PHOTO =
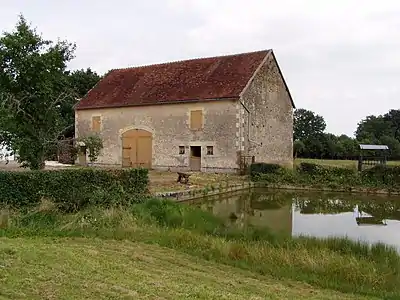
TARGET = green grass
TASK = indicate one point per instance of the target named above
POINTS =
(82, 268)
(337, 163)
(333, 264)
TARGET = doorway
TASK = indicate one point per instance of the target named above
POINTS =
(195, 158)
(137, 148)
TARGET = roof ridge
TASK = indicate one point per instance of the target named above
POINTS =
(190, 59)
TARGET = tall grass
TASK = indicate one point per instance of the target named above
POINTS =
(334, 263)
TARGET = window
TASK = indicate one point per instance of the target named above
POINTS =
(96, 123)
(210, 150)
(181, 149)
(196, 119)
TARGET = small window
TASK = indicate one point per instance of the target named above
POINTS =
(181, 149)
(96, 123)
(210, 150)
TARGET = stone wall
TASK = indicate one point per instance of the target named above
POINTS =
(266, 131)
(169, 124)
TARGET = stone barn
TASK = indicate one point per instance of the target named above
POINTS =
(207, 114)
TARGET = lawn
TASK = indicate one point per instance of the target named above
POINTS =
(337, 163)
(82, 268)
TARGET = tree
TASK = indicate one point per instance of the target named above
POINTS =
(393, 144)
(307, 124)
(33, 88)
(372, 128)
(79, 83)
(298, 148)
(393, 118)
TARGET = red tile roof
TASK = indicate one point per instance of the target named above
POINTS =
(189, 80)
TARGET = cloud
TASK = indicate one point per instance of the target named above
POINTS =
(339, 57)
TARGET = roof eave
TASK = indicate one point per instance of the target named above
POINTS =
(158, 103)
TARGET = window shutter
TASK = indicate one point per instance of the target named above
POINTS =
(196, 119)
(96, 124)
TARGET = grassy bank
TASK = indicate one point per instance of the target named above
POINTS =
(308, 175)
(351, 164)
(82, 268)
(335, 264)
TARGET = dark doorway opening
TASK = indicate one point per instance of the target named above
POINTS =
(195, 158)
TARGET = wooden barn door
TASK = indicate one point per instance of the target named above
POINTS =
(137, 148)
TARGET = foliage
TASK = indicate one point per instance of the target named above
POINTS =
(298, 147)
(309, 174)
(264, 168)
(32, 89)
(73, 189)
(307, 124)
(94, 145)
(79, 83)
(310, 141)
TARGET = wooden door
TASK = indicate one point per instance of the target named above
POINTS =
(137, 148)
(143, 152)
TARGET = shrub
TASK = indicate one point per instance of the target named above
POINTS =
(379, 175)
(73, 189)
(310, 168)
(263, 168)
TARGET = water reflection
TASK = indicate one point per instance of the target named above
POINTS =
(365, 217)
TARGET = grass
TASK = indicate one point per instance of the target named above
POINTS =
(82, 268)
(333, 264)
(337, 163)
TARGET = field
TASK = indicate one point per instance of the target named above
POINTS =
(337, 163)
(166, 250)
(44, 268)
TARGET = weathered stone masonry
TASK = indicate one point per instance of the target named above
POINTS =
(253, 119)
(169, 124)
(266, 131)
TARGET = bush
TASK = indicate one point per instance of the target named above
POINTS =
(308, 168)
(379, 175)
(263, 168)
(73, 189)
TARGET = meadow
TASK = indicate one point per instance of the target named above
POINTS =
(175, 251)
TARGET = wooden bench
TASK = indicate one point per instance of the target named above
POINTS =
(184, 176)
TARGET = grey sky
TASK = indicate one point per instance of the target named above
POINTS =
(340, 58)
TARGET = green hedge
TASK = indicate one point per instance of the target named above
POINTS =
(73, 189)
(309, 174)
(256, 169)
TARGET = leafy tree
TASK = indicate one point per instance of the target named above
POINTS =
(348, 146)
(298, 148)
(307, 124)
(372, 128)
(79, 83)
(393, 118)
(33, 88)
(393, 144)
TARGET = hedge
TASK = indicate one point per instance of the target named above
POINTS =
(73, 189)
(383, 177)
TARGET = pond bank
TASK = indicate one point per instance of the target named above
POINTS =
(186, 195)
(342, 264)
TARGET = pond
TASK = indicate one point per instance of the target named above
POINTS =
(370, 218)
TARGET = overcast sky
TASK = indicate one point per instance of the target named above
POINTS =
(340, 58)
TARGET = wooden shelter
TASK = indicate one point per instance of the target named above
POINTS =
(372, 155)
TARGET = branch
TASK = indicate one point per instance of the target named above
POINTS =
(10, 102)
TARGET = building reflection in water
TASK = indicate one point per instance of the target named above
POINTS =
(306, 213)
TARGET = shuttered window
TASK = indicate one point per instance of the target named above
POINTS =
(196, 119)
(96, 124)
